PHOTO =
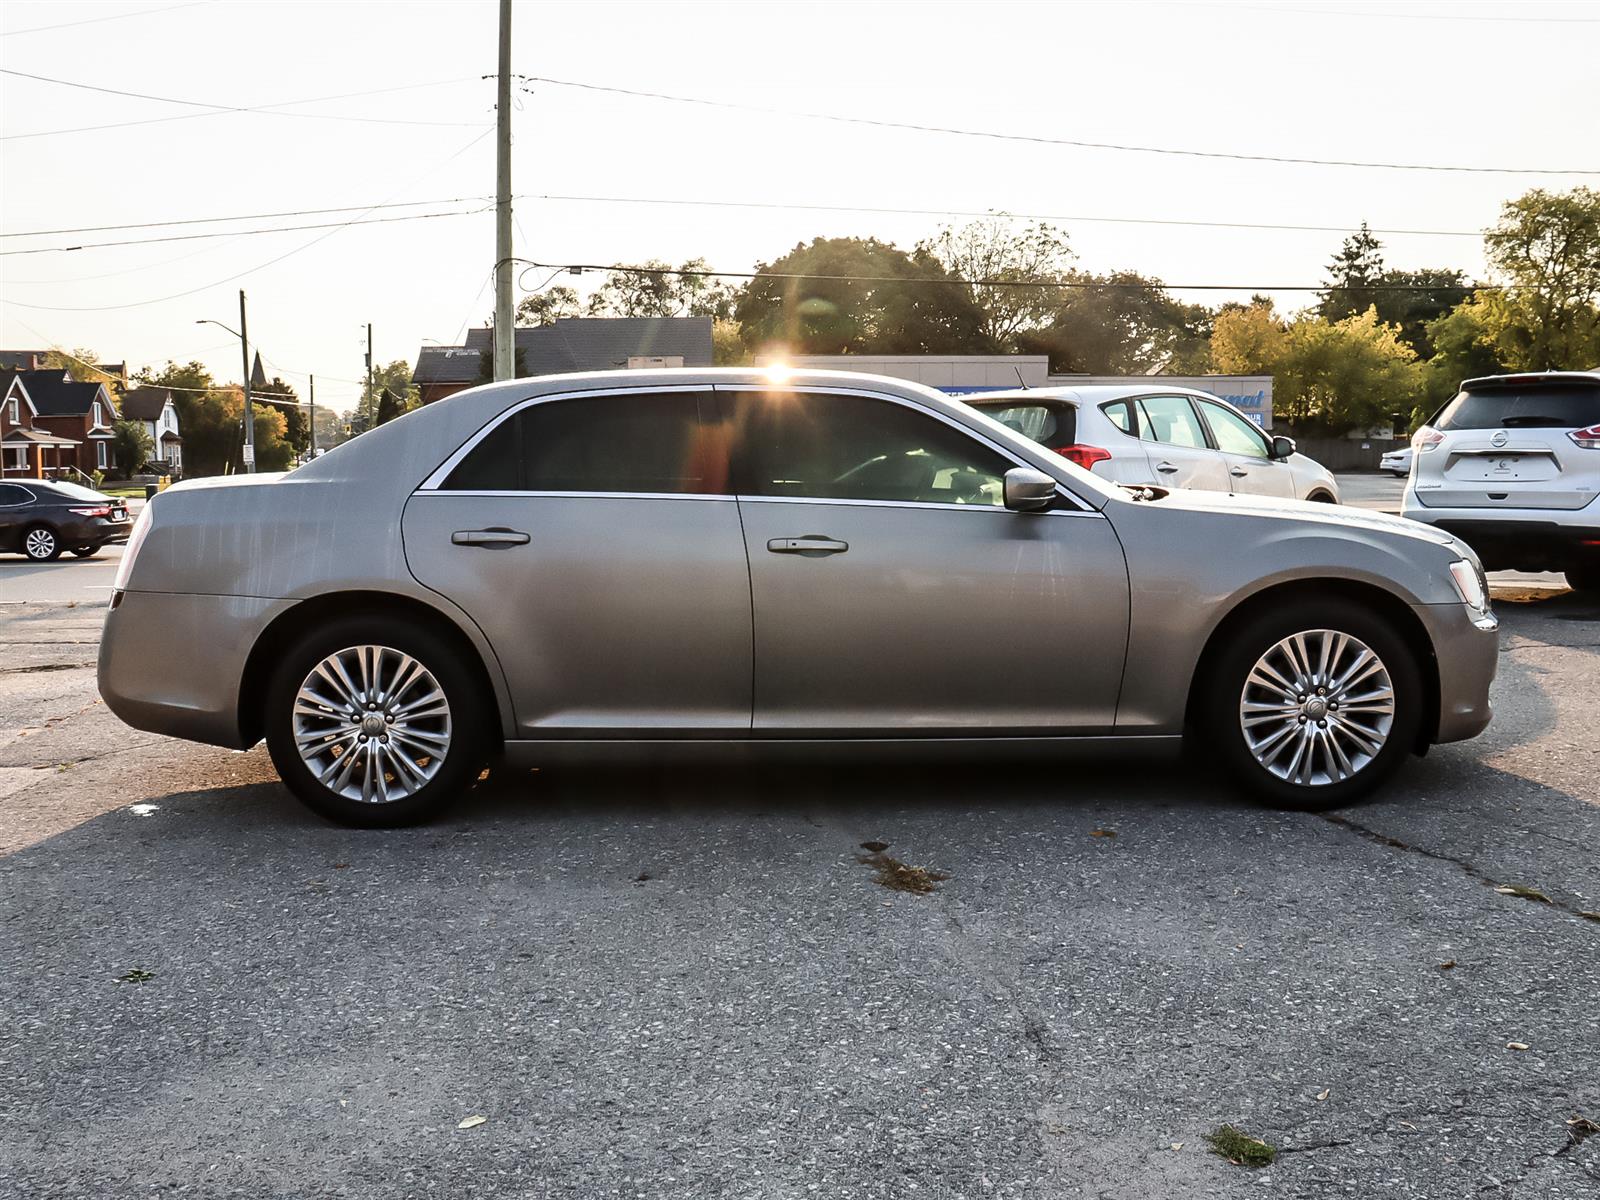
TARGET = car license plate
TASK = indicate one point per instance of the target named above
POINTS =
(119, 514)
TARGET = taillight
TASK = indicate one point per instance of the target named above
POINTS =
(1426, 438)
(1084, 456)
(1588, 438)
(91, 512)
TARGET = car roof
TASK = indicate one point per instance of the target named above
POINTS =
(1089, 393)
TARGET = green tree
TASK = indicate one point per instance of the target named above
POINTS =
(995, 249)
(131, 445)
(1122, 323)
(865, 297)
(727, 345)
(1358, 280)
(548, 306)
(655, 289)
(1353, 276)
(281, 396)
(210, 437)
(396, 377)
(1545, 250)
(389, 407)
(1462, 349)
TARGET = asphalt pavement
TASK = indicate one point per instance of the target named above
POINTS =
(686, 983)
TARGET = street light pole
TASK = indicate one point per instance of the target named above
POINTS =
(505, 332)
(312, 415)
(249, 412)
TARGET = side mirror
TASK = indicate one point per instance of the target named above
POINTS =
(1282, 447)
(1028, 490)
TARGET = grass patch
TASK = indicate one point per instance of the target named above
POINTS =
(126, 490)
(902, 877)
(137, 975)
(1240, 1148)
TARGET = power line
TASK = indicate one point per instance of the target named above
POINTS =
(145, 12)
(959, 212)
(1067, 284)
(228, 233)
(1039, 140)
(259, 266)
(1377, 15)
(294, 212)
(273, 110)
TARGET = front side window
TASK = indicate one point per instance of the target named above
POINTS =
(832, 447)
(1234, 434)
(1170, 420)
(631, 442)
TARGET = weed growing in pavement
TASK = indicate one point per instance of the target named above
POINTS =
(1240, 1148)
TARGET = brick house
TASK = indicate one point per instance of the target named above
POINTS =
(50, 424)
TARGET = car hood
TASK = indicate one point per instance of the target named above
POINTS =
(1304, 512)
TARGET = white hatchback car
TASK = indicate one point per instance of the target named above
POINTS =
(1511, 466)
(1161, 436)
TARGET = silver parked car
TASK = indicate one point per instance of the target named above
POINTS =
(1512, 466)
(1162, 436)
(592, 565)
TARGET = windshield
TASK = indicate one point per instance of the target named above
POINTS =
(1048, 424)
(1526, 406)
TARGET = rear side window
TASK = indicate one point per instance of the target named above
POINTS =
(1120, 414)
(1047, 424)
(1171, 420)
(11, 495)
(1526, 406)
(647, 442)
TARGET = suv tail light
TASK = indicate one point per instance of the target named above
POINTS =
(1588, 439)
(1426, 438)
(1084, 456)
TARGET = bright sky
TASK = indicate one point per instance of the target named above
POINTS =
(1460, 84)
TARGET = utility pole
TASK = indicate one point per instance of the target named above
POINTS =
(311, 415)
(249, 412)
(371, 402)
(505, 332)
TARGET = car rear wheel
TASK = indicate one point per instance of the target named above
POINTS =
(375, 722)
(41, 544)
(1314, 706)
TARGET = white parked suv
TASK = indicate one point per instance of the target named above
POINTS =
(1511, 466)
(1165, 436)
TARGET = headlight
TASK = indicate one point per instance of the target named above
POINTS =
(1471, 584)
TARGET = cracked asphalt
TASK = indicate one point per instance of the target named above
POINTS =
(684, 983)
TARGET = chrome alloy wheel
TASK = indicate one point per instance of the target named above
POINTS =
(40, 543)
(372, 724)
(1317, 707)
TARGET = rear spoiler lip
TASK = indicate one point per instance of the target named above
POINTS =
(1533, 377)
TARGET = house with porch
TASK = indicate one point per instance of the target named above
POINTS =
(153, 408)
(52, 425)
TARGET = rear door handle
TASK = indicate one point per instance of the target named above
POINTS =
(1238, 472)
(1165, 468)
(490, 538)
(809, 544)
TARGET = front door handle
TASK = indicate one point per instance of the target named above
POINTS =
(811, 543)
(496, 538)
(1165, 468)
(1238, 472)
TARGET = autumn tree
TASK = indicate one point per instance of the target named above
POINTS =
(1545, 253)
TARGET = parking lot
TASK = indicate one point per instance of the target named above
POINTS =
(685, 982)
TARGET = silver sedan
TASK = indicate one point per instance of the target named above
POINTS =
(693, 562)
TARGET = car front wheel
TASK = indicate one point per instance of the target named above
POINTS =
(374, 722)
(41, 544)
(1585, 579)
(1314, 706)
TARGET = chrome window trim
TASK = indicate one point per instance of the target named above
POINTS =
(555, 495)
(434, 483)
(932, 505)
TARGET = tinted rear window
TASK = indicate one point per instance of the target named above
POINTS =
(1048, 424)
(1526, 406)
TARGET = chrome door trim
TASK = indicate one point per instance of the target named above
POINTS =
(833, 390)
(505, 494)
(934, 506)
(435, 481)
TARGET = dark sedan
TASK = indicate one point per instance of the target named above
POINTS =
(41, 519)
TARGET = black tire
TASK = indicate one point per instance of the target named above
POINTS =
(86, 551)
(468, 731)
(1220, 720)
(1585, 580)
(1322, 498)
(41, 543)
